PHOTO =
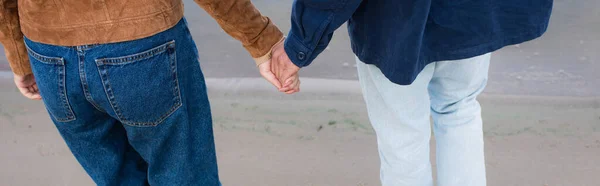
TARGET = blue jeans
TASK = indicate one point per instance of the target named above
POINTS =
(400, 115)
(133, 113)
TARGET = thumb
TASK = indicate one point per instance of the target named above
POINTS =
(265, 71)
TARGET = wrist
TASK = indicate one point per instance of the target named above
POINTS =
(267, 57)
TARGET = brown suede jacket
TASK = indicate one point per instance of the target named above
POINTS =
(83, 22)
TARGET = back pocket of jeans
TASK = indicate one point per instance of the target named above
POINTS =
(142, 88)
(50, 78)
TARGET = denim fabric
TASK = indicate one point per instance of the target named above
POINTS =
(402, 36)
(133, 113)
(400, 116)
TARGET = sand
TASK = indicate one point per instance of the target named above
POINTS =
(322, 137)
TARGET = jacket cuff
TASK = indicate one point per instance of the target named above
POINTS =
(298, 53)
(262, 43)
(267, 57)
(18, 58)
(22, 70)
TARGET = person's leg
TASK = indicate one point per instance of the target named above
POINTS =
(457, 120)
(155, 87)
(97, 141)
(400, 117)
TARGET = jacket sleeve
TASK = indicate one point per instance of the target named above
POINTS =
(12, 38)
(241, 20)
(313, 24)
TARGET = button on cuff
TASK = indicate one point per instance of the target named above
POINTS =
(296, 51)
(301, 56)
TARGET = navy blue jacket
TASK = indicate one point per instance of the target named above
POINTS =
(402, 36)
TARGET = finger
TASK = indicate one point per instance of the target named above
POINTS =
(274, 66)
(36, 96)
(285, 89)
(295, 87)
(292, 91)
(280, 67)
(265, 72)
(30, 95)
(36, 88)
(298, 86)
(23, 91)
(294, 77)
(270, 77)
(288, 84)
(27, 93)
(288, 73)
(273, 80)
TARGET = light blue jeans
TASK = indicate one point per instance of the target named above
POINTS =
(400, 116)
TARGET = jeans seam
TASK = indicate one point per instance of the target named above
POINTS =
(177, 91)
(45, 59)
(63, 96)
(108, 91)
(83, 78)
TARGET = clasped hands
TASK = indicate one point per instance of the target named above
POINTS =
(280, 71)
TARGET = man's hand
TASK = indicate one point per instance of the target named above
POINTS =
(27, 86)
(285, 71)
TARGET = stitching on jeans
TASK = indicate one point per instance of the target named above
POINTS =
(108, 89)
(177, 92)
(63, 96)
(62, 92)
(136, 57)
(119, 114)
(84, 84)
(45, 59)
